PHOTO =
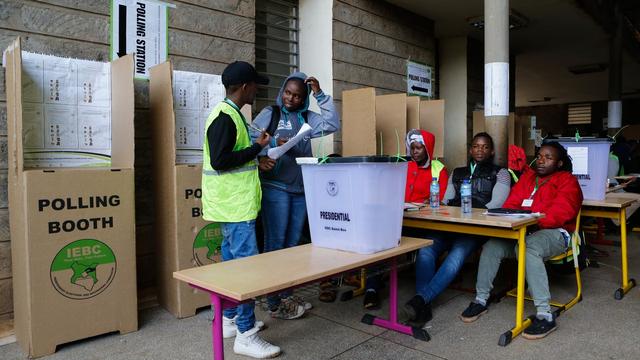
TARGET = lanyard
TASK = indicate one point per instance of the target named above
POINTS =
(535, 189)
(233, 105)
(472, 166)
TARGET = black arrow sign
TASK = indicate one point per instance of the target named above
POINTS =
(122, 30)
(417, 88)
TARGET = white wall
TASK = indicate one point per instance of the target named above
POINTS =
(316, 54)
(453, 89)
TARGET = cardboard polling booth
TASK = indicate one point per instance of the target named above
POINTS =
(180, 104)
(378, 125)
(72, 228)
(432, 120)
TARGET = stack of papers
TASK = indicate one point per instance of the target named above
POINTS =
(276, 152)
(513, 215)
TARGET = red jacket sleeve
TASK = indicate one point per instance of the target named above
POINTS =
(444, 181)
(564, 207)
(518, 192)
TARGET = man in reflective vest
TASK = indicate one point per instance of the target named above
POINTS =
(231, 193)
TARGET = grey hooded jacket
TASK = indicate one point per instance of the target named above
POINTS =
(286, 174)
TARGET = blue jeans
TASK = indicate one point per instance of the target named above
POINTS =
(283, 216)
(429, 282)
(239, 240)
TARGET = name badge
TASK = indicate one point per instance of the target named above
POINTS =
(527, 202)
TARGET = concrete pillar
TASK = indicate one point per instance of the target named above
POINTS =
(496, 75)
(316, 57)
(615, 74)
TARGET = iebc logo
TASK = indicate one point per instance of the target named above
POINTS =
(332, 187)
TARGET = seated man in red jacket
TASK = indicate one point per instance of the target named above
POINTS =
(552, 190)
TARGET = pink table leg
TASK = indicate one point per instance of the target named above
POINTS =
(219, 303)
(216, 327)
(392, 323)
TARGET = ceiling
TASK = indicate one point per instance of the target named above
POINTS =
(560, 34)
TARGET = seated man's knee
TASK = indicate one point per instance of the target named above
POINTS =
(493, 248)
(454, 260)
(428, 254)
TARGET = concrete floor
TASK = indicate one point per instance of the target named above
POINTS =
(597, 328)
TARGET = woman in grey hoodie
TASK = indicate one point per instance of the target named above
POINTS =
(283, 204)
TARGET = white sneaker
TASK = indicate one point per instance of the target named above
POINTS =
(229, 327)
(250, 344)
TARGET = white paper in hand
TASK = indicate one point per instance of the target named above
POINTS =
(275, 153)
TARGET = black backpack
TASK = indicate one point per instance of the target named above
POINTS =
(275, 118)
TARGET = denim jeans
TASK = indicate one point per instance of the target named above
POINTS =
(283, 216)
(239, 240)
(541, 245)
(431, 282)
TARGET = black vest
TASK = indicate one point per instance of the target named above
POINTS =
(482, 183)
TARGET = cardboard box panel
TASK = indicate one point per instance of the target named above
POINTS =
(184, 239)
(413, 113)
(198, 241)
(432, 120)
(72, 231)
(359, 122)
(83, 117)
(391, 123)
(82, 275)
(21, 308)
(122, 105)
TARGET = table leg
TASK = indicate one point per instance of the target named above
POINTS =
(627, 283)
(392, 323)
(216, 327)
(505, 338)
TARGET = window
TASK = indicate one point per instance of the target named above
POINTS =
(579, 114)
(276, 46)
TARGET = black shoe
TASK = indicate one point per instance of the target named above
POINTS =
(417, 311)
(371, 300)
(539, 328)
(473, 312)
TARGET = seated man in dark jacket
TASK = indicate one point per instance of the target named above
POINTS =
(490, 186)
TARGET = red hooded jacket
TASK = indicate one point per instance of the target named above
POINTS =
(559, 197)
(419, 178)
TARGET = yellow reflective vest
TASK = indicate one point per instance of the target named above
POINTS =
(232, 195)
(436, 168)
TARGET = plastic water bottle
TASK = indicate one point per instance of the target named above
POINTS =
(434, 194)
(465, 196)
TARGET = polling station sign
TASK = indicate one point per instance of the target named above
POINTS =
(418, 79)
(140, 27)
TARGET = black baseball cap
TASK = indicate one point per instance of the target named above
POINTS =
(240, 72)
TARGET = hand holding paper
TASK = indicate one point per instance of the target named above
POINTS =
(275, 153)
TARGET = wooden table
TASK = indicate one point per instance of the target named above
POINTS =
(232, 282)
(451, 219)
(613, 207)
